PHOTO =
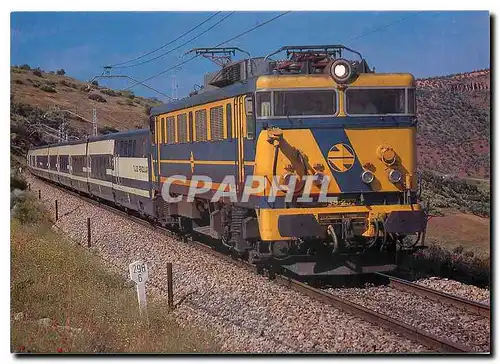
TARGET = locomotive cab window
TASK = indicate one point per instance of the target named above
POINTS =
(303, 103)
(411, 101)
(375, 101)
(263, 104)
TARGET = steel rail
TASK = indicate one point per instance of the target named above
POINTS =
(439, 296)
(413, 333)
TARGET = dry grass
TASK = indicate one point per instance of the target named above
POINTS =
(90, 309)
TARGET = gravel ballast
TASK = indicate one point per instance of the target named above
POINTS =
(463, 290)
(243, 311)
(442, 320)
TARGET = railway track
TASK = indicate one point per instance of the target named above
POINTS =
(422, 337)
(439, 296)
(416, 334)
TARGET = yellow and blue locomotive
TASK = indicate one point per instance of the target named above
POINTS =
(312, 114)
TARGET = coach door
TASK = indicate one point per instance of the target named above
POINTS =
(244, 128)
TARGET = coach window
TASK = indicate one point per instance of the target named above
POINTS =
(263, 104)
(200, 119)
(217, 123)
(134, 144)
(182, 128)
(229, 121)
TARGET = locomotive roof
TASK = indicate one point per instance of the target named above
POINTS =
(208, 96)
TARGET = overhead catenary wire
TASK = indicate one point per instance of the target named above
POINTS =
(166, 44)
(218, 45)
(381, 27)
(176, 48)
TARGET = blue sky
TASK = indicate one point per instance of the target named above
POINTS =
(425, 44)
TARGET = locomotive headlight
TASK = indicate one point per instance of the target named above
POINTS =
(386, 154)
(367, 177)
(341, 70)
(395, 176)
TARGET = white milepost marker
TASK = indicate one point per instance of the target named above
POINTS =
(139, 274)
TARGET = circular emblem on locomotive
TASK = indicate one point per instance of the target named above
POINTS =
(341, 157)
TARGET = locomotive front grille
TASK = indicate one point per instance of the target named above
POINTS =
(328, 219)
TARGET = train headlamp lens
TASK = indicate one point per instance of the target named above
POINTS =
(340, 70)
(367, 177)
(395, 176)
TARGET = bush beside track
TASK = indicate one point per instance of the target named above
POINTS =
(458, 264)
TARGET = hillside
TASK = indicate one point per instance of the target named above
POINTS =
(454, 124)
(35, 93)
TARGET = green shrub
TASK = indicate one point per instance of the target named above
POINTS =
(107, 130)
(27, 210)
(17, 181)
(61, 72)
(68, 84)
(48, 88)
(97, 97)
(450, 192)
(458, 264)
(37, 72)
(109, 92)
(127, 93)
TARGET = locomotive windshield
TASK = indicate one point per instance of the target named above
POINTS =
(297, 103)
(379, 101)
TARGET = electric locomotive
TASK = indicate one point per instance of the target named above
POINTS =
(320, 149)
(315, 113)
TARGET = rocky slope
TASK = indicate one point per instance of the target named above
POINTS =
(454, 124)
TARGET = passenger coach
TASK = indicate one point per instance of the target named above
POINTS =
(112, 167)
